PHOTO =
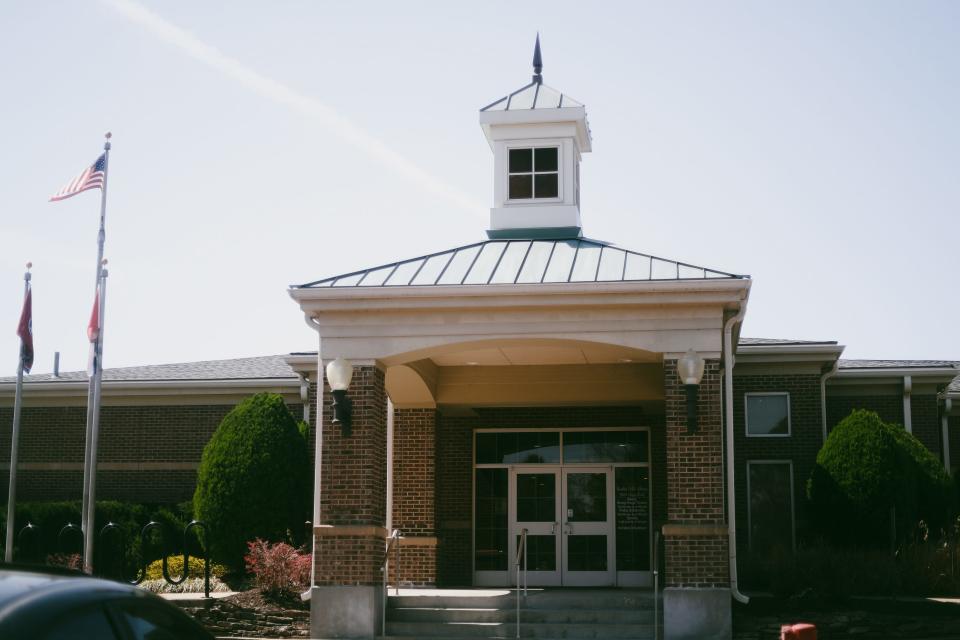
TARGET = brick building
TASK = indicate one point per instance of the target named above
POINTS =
(527, 382)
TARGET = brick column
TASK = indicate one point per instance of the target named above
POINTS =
(697, 597)
(349, 539)
(414, 495)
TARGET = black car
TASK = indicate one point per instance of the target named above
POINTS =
(47, 605)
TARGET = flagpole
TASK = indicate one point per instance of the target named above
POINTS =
(95, 430)
(93, 393)
(15, 441)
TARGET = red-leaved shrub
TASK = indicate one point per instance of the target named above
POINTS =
(277, 568)
(66, 560)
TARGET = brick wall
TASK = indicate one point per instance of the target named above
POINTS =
(350, 539)
(696, 548)
(455, 469)
(146, 453)
(926, 422)
(414, 471)
(923, 408)
(888, 406)
(800, 447)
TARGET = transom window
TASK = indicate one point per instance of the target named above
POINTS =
(768, 414)
(534, 173)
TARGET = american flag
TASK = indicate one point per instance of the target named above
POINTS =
(90, 178)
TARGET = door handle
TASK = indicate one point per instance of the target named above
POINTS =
(568, 528)
(553, 528)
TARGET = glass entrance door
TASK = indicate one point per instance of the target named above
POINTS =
(535, 506)
(569, 517)
(588, 541)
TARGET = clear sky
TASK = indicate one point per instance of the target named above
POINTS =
(814, 146)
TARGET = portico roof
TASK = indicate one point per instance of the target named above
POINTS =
(499, 262)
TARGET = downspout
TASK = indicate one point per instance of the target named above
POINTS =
(823, 395)
(388, 516)
(907, 411)
(305, 396)
(945, 426)
(317, 453)
(728, 360)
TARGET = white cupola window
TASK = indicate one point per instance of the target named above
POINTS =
(534, 173)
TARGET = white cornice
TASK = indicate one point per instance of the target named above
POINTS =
(727, 292)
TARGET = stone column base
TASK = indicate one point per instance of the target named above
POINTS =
(697, 614)
(346, 612)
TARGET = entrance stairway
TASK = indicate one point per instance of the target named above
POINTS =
(571, 614)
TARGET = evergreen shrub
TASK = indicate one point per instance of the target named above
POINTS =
(254, 479)
(873, 482)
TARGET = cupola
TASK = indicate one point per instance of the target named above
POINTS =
(537, 135)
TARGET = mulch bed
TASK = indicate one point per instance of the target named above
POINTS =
(854, 619)
(254, 599)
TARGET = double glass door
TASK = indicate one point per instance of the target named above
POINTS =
(568, 513)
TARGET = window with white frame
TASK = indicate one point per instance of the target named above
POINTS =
(534, 173)
(767, 414)
(770, 505)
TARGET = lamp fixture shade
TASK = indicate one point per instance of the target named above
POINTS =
(339, 373)
(690, 367)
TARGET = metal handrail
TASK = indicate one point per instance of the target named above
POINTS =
(656, 585)
(521, 557)
(393, 540)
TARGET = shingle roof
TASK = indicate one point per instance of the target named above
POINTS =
(776, 341)
(896, 364)
(954, 387)
(523, 262)
(257, 368)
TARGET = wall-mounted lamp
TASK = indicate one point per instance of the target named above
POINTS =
(690, 368)
(339, 373)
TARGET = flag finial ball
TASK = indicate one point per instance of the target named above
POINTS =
(29, 265)
(108, 135)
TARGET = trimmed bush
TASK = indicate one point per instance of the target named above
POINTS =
(254, 479)
(874, 481)
(175, 568)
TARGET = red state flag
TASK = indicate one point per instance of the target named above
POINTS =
(93, 333)
(25, 331)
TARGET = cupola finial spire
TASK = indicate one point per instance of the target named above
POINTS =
(537, 62)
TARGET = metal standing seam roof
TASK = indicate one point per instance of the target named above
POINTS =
(533, 96)
(524, 262)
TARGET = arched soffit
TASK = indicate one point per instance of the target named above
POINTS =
(523, 351)
(412, 385)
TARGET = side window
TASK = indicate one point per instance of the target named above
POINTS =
(152, 621)
(89, 622)
(767, 414)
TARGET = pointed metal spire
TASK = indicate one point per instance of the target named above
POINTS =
(537, 62)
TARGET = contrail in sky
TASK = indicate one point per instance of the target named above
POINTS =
(287, 96)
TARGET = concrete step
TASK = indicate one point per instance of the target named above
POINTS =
(636, 599)
(541, 630)
(532, 616)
